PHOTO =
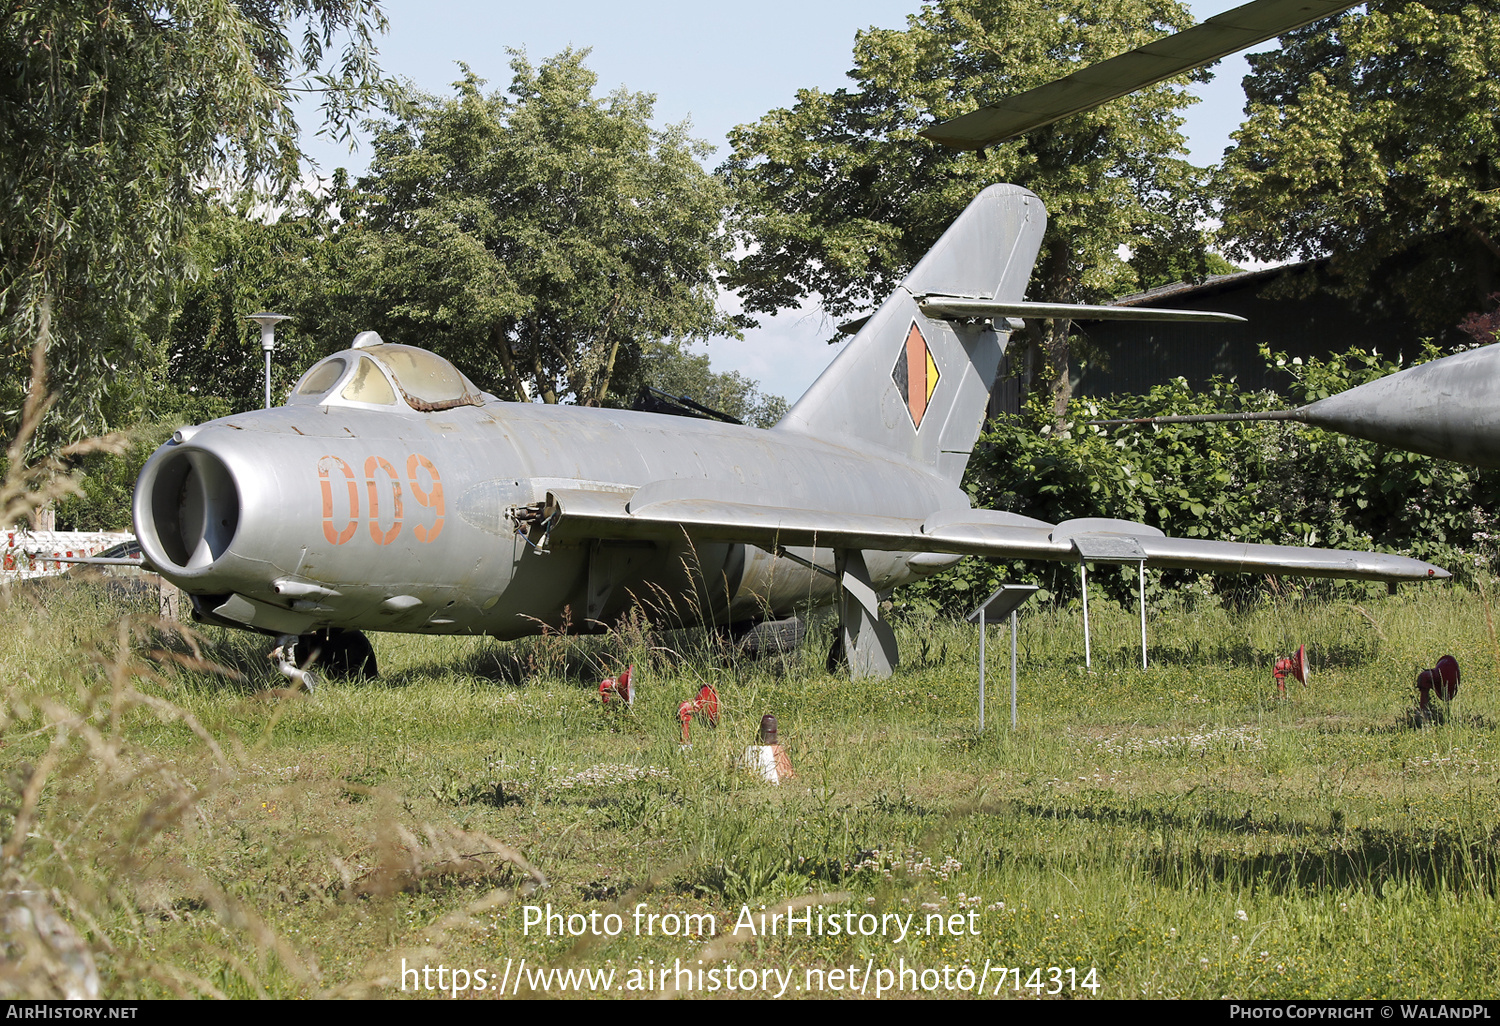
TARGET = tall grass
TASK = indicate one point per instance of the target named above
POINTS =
(175, 823)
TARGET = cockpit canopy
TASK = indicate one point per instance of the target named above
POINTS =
(375, 374)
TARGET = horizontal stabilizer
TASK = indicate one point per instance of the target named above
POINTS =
(988, 533)
(954, 307)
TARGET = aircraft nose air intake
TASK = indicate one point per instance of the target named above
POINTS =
(193, 510)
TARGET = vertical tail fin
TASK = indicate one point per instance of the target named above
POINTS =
(918, 385)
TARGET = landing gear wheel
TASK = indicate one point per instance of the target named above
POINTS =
(773, 637)
(339, 654)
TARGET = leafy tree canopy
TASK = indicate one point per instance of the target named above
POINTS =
(115, 121)
(541, 237)
(1373, 140)
(294, 265)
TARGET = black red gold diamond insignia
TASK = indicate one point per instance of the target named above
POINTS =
(915, 374)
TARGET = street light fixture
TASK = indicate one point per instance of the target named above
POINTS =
(268, 322)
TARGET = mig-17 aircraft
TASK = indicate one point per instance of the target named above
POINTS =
(392, 494)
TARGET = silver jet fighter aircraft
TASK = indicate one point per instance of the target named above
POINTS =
(391, 494)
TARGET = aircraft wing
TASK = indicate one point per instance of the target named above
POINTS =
(666, 510)
(1217, 37)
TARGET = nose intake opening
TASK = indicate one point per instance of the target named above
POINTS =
(195, 508)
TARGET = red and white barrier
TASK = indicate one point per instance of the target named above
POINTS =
(26, 554)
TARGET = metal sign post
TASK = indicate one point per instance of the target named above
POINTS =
(1108, 548)
(1007, 599)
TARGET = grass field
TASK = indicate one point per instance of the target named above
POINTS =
(178, 824)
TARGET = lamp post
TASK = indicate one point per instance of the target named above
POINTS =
(268, 322)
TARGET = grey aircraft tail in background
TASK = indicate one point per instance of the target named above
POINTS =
(391, 494)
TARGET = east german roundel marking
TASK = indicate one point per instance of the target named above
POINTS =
(915, 374)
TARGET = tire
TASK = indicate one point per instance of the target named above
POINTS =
(774, 637)
(339, 654)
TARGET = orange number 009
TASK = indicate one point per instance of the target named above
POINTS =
(379, 471)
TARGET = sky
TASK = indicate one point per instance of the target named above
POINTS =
(715, 67)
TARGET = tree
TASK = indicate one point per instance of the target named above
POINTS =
(298, 263)
(206, 363)
(116, 121)
(539, 238)
(836, 197)
(1373, 140)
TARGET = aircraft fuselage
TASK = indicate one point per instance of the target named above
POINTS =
(304, 517)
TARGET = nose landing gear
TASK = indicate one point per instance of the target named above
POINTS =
(338, 654)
